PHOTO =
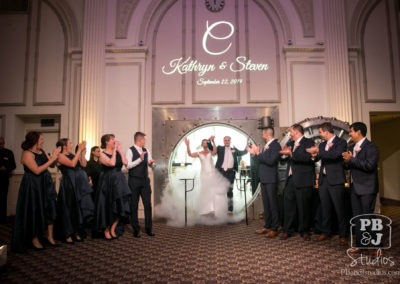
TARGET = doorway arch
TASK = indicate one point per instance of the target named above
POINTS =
(180, 165)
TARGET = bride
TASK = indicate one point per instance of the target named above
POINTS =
(212, 198)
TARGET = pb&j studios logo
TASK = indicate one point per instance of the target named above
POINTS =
(370, 232)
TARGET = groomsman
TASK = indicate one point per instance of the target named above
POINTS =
(7, 165)
(227, 164)
(300, 181)
(139, 158)
(268, 172)
(331, 181)
(362, 160)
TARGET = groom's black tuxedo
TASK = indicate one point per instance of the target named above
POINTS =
(230, 173)
(235, 153)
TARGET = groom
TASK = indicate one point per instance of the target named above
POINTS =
(227, 164)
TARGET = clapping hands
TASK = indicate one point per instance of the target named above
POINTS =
(55, 153)
(347, 156)
(118, 146)
(253, 150)
(82, 146)
(286, 151)
(313, 151)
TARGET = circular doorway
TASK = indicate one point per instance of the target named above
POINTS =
(181, 166)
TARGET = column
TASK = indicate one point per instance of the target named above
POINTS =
(337, 62)
(93, 69)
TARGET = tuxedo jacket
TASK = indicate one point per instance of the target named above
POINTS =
(268, 163)
(302, 164)
(7, 160)
(364, 168)
(221, 154)
(332, 161)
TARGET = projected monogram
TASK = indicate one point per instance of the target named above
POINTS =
(240, 63)
(209, 33)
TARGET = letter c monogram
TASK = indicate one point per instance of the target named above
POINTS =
(209, 33)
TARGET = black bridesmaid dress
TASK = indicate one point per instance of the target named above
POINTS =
(36, 206)
(93, 170)
(75, 205)
(112, 197)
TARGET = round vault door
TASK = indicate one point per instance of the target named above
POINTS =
(181, 166)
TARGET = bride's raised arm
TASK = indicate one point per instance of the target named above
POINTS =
(214, 151)
(193, 155)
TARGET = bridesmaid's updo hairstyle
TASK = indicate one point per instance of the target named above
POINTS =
(104, 139)
(61, 143)
(31, 138)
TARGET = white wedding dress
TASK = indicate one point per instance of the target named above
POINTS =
(206, 204)
(212, 199)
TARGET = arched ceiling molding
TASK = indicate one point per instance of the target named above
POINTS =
(359, 18)
(157, 8)
(125, 10)
(305, 10)
(68, 21)
(277, 15)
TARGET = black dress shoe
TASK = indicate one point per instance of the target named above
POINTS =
(136, 234)
(285, 236)
(150, 233)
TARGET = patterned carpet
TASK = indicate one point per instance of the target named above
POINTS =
(201, 254)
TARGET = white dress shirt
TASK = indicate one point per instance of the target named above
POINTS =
(228, 159)
(358, 145)
(269, 142)
(129, 155)
(329, 141)
(327, 148)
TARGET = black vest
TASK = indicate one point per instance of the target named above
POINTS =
(140, 170)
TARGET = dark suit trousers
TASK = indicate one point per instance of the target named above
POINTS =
(297, 203)
(140, 187)
(270, 204)
(229, 175)
(3, 198)
(361, 204)
(332, 198)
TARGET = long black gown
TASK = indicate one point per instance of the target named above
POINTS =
(112, 197)
(75, 205)
(36, 206)
(93, 170)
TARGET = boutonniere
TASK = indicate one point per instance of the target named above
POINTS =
(266, 147)
(233, 151)
(297, 144)
(357, 149)
(330, 144)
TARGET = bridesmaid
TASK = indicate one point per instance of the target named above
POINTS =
(112, 198)
(36, 205)
(93, 168)
(74, 203)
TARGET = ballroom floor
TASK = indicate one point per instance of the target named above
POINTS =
(201, 254)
